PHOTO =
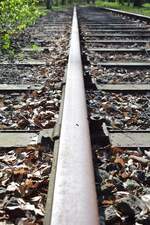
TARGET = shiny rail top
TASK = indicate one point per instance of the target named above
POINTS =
(74, 201)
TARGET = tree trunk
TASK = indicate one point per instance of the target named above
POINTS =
(128, 1)
(121, 2)
(137, 3)
(49, 4)
(63, 2)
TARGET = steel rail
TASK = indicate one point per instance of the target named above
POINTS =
(135, 15)
(74, 199)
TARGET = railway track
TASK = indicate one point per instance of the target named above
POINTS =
(116, 70)
(51, 95)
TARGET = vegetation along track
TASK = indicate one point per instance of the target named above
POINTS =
(38, 101)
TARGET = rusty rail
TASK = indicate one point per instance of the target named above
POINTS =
(74, 197)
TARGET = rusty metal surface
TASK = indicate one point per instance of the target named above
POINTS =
(74, 200)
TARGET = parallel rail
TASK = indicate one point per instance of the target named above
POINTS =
(135, 15)
(113, 67)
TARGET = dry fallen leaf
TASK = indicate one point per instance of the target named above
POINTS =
(116, 150)
(125, 175)
(120, 161)
(107, 202)
(20, 171)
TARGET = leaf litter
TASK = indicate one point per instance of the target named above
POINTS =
(120, 110)
(104, 57)
(123, 185)
(119, 75)
(24, 182)
(30, 110)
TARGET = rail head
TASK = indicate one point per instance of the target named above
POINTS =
(135, 15)
(74, 199)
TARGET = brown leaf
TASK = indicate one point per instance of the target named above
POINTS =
(120, 161)
(27, 185)
(125, 114)
(29, 148)
(37, 122)
(125, 175)
(20, 171)
(116, 150)
(1, 103)
(44, 71)
(31, 158)
(114, 125)
(107, 202)
(34, 93)
(3, 126)
(23, 123)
